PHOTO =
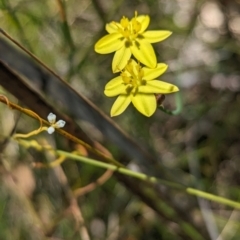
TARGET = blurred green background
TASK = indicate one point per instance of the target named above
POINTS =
(202, 141)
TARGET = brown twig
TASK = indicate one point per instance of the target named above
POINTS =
(90, 187)
(28, 112)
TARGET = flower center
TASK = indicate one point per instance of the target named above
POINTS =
(130, 29)
(132, 77)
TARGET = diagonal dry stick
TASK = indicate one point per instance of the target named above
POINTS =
(81, 108)
(139, 188)
(78, 106)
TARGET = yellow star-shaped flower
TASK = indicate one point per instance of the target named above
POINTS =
(130, 37)
(138, 85)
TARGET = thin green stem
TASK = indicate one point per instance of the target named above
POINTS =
(122, 170)
(213, 198)
(152, 179)
(179, 105)
(131, 173)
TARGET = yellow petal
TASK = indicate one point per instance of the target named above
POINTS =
(121, 89)
(112, 27)
(152, 73)
(144, 20)
(114, 82)
(121, 58)
(156, 86)
(156, 36)
(109, 43)
(115, 87)
(143, 51)
(145, 103)
(120, 105)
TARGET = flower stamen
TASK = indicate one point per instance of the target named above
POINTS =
(132, 77)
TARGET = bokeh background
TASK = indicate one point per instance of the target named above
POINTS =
(200, 145)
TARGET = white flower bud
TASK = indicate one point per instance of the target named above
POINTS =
(60, 124)
(51, 118)
(51, 130)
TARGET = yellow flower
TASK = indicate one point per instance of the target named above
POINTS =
(129, 37)
(138, 85)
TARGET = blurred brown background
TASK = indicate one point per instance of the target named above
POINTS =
(200, 146)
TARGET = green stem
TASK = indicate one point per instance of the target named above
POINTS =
(122, 170)
(153, 180)
(213, 197)
(179, 105)
(137, 175)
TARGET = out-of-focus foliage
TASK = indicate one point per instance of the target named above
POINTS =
(203, 140)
